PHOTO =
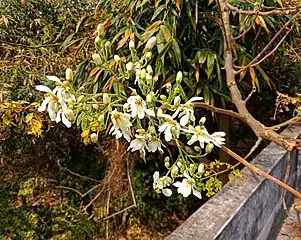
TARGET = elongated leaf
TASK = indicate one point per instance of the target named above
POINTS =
(165, 32)
(158, 11)
(177, 52)
(210, 64)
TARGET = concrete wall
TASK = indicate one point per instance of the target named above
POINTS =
(250, 207)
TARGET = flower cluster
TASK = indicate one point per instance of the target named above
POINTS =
(137, 109)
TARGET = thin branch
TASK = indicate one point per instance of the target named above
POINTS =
(108, 209)
(276, 12)
(256, 145)
(290, 121)
(119, 212)
(218, 110)
(78, 192)
(242, 68)
(130, 181)
(250, 95)
(34, 46)
(260, 172)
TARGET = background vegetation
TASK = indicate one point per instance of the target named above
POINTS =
(44, 37)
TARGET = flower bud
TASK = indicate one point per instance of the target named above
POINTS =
(197, 148)
(117, 58)
(177, 90)
(159, 112)
(163, 97)
(107, 44)
(96, 58)
(129, 66)
(167, 159)
(155, 79)
(201, 168)
(94, 137)
(179, 164)
(97, 41)
(69, 74)
(179, 77)
(132, 45)
(177, 100)
(143, 74)
(202, 120)
(192, 168)
(209, 147)
(168, 86)
(174, 171)
(152, 130)
(149, 98)
(80, 98)
(151, 43)
(69, 114)
(106, 98)
(149, 69)
(101, 118)
(167, 164)
(148, 56)
(100, 30)
(126, 107)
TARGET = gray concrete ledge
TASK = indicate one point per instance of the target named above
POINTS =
(250, 207)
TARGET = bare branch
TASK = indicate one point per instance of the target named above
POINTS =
(218, 110)
(260, 172)
(290, 121)
(275, 12)
(250, 95)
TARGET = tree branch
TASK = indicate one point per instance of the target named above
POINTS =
(260, 172)
(258, 128)
(275, 12)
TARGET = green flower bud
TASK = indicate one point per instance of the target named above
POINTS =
(177, 100)
(159, 112)
(209, 147)
(174, 171)
(179, 77)
(143, 74)
(151, 43)
(94, 137)
(155, 79)
(149, 69)
(100, 30)
(101, 118)
(148, 56)
(149, 98)
(201, 168)
(70, 114)
(166, 159)
(80, 98)
(197, 148)
(106, 98)
(177, 90)
(168, 87)
(107, 44)
(192, 168)
(97, 41)
(132, 45)
(69, 74)
(202, 120)
(96, 58)
(152, 130)
(163, 97)
(179, 164)
(167, 164)
(117, 58)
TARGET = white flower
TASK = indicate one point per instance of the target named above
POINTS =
(199, 134)
(218, 138)
(169, 127)
(161, 183)
(138, 107)
(139, 143)
(187, 112)
(155, 144)
(62, 116)
(186, 186)
(151, 43)
(129, 66)
(54, 79)
(121, 125)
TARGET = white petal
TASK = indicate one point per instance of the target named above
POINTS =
(186, 175)
(176, 113)
(140, 112)
(162, 127)
(192, 140)
(54, 78)
(196, 193)
(168, 134)
(58, 116)
(186, 191)
(66, 121)
(178, 184)
(219, 134)
(194, 99)
(156, 176)
(43, 106)
(167, 192)
(43, 88)
(51, 111)
(184, 120)
(150, 112)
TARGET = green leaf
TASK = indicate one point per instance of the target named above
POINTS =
(158, 11)
(177, 52)
(210, 64)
